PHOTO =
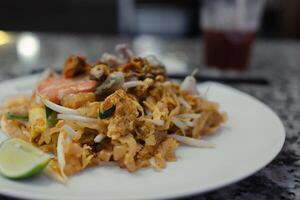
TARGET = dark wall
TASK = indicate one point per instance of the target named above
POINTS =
(59, 16)
(281, 18)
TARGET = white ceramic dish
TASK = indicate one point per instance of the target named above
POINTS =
(251, 138)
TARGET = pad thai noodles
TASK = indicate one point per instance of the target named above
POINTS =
(121, 110)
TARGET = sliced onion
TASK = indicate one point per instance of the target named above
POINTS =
(110, 59)
(49, 172)
(193, 142)
(190, 123)
(133, 79)
(126, 53)
(99, 138)
(131, 84)
(189, 85)
(179, 123)
(184, 102)
(148, 112)
(117, 75)
(37, 99)
(3, 137)
(71, 132)
(189, 115)
(107, 56)
(204, 96)
(58, 108)
(158, 122)
(153, 164)
(153, 60)
(52, 156)
(3, 124)
(96, 72)
(61, 153)
(77, 118)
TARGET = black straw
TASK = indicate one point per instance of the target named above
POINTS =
(228, 80)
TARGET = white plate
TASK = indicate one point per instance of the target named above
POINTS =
(251, 138)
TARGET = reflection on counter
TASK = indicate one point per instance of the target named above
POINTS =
(28, 46)
(4, 38)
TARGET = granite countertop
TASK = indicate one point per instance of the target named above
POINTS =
(278, 61)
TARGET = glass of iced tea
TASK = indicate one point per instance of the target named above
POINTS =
(229, 28)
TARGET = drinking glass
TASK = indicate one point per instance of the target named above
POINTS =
(229, 28)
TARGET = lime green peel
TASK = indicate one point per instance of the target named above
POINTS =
(20, 159)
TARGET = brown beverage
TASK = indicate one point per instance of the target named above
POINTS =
(227, 49)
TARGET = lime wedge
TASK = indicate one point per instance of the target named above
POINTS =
(19, 159)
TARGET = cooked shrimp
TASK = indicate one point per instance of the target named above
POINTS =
(55, 88)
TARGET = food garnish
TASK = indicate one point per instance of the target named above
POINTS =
(19, 159)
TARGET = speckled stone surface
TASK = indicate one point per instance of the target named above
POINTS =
(278, 61)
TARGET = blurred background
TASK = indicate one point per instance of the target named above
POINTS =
(227, 28)
(180, 18)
